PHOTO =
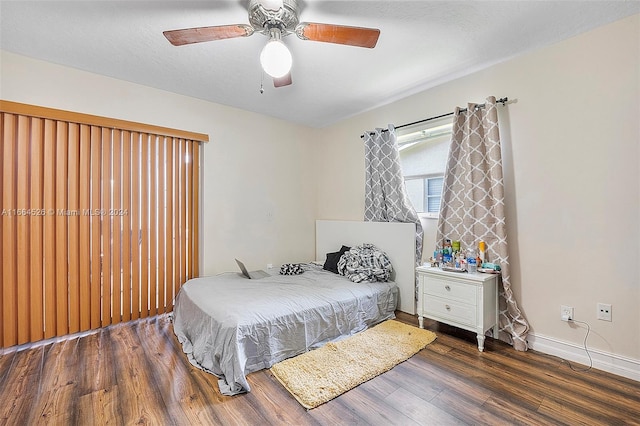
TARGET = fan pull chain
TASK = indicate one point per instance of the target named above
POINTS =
(261, 82)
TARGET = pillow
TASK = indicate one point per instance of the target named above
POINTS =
(331, 264)
(291, 269)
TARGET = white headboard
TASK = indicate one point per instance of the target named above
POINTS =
(397, 240)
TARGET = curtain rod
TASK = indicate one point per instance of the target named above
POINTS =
(503, 101)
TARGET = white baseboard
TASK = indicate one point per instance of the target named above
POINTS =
(611, 363)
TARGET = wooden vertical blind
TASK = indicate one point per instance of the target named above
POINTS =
(99, 221)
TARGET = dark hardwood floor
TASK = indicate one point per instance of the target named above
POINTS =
(136, 373)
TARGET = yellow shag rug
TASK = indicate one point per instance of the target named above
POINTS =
(320, 375)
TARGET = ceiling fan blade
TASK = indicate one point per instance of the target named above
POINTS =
(340, 34)
(200, 34)
(282, 81)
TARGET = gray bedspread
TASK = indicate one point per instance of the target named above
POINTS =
(232, 326)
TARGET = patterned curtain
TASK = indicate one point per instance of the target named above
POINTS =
(386, 199)
(472, 207)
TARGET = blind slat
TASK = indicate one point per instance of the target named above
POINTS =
(162, 186)
(61, 257)
(73, 222)
(95, 292)
(126, 226)
(184, 225)
(9, 281)
(105, 228)
(195, 211)
(135, 223)
(170, 265)
(49, 229)
(23, 230)
(116, 223)
(37, 229)
(176, 217)
(144, 225)
(84, 239)
(153, 230)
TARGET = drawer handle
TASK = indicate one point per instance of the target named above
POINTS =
(447, 307)
(446, 287)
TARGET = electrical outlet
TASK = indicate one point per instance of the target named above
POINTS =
(566, 313)
(604, 311)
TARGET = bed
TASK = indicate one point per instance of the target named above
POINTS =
(231, 326)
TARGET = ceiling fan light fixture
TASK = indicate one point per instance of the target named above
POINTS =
(275, 58)
(277, 19)
(271, 4)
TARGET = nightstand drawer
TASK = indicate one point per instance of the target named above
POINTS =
(460, 292)
(458, 312)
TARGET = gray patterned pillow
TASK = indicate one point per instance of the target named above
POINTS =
(291, 269)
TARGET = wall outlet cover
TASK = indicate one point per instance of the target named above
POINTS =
(603, 311)
(566, 313)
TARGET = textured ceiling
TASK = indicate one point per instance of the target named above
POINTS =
(422, 44)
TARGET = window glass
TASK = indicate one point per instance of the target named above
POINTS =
(433, 194)
(415, 189)
(423, 154)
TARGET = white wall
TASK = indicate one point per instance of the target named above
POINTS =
(259, 191)
(571, 159)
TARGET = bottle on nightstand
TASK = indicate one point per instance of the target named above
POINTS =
(472, 265)
(482, 247)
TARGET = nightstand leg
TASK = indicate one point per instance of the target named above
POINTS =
(496, 328)
(421, 322)
(480, 342)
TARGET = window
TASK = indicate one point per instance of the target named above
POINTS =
(425, 193)
(423, 154)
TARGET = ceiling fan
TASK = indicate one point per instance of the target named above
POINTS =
(277, 19)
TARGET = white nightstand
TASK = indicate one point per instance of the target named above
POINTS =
(460, 299)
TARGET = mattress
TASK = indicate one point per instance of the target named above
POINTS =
(231, 326)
